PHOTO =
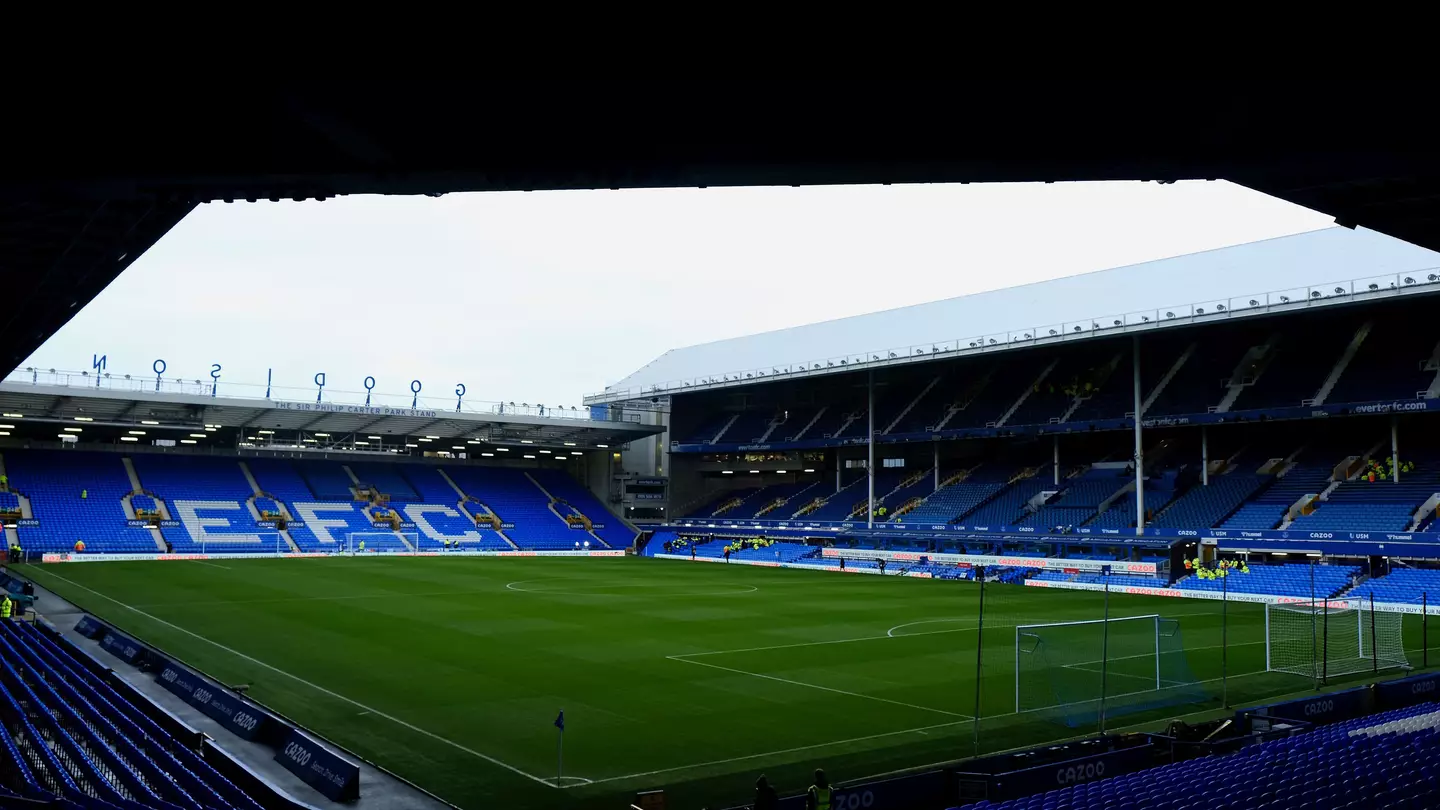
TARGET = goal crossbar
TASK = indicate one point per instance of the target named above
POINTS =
(1029, 642)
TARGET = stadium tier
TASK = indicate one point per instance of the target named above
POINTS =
(220, 505)
(1385, 760)
(1291, 579)
(70, 737)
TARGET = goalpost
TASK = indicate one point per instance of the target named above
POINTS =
(1085, 670)
(1327, 639)
(380, 542)
(270, 542)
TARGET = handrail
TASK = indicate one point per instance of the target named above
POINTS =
(1220, 309)
(449, 403)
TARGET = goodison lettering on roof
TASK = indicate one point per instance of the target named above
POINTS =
(371, 410)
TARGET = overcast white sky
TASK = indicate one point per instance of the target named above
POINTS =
(544, 297)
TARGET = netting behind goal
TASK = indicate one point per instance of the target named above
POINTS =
(356, 542)
(1077, 672)
(1332, 640)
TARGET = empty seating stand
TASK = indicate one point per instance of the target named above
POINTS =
(72, 738)
(75, 496)
(1409, 586)
(1290, 579)
(1374, 763)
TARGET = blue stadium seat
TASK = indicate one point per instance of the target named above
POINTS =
(1377, 762)
(54, 481)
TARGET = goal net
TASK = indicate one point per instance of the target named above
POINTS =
(370, 542)
(1081, 672)
(1324, 640)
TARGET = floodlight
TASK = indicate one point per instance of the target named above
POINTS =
(1314, 293)
(919, 351)
(1077, 329)
(1284, 299)
(1028, 336)
(1254, 303)
(992, 341)
(1169, 314)
(1144, 318)
(1432, 278)
(1409, 280)
(1118, 322)
(1374, 287)
(748, 376)
(893, 355)
(1339, 290)
(972, 344)
(1053, 333)
(1219, 307)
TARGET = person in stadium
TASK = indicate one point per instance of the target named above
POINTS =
(819, 795)
(6, 606)
(79, 546)
(362, 546)
(765, 797)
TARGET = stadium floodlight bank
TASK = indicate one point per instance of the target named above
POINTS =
(1329, 639)
(356, 542)
(1082, 671)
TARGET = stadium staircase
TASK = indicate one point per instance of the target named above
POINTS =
(1166, 379)
(964, 400)
(1025, 394)
(470, 506)
(1351, 349)
(777, 500)
(720, 434)
(1247, 372)
(909, 406)
(810, 424)
(821, 509)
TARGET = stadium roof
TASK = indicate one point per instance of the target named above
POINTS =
(35, 410)
(102, 175)
(1329, 267)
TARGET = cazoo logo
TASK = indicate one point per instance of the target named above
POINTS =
(168, 676)
(203, 695)
(246, 721)
(298, 753)
(1319, 707)
(1076, 774)
(853, 801)
(1422, 688)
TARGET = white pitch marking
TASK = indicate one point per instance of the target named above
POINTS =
(823, 688)
(212, 565)
(397, 721)
(795, 750)
(511, 587)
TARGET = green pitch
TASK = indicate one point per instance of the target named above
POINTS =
(694, 678)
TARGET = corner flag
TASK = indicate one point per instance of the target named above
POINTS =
(560, 751)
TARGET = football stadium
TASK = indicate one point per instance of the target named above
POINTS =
(994, 551)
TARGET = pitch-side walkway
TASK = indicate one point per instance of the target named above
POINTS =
(378, 789)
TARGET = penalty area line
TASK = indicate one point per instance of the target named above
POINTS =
(397, 721)
(782, 752)
(823, 688)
